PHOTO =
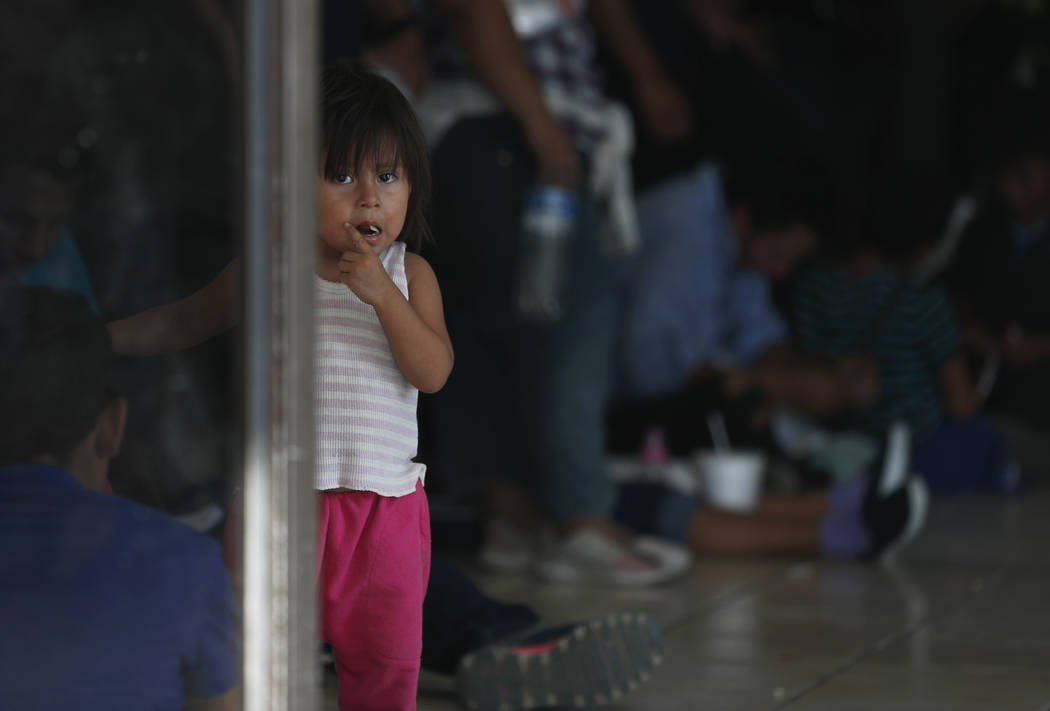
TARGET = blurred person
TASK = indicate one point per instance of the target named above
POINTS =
(146, 88)
(42, 168)
(43, 179)
(857, 302)
(702, 332)
(515, 101)
(699, 310)
(867, 517)
(688, 97)
(104, 603)
(1000, 276)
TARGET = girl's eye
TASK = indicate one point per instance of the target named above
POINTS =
(342, 179)
(387, 177)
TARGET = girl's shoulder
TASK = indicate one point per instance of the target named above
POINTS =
(416, 265)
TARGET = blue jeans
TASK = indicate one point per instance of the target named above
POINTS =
(525, 403)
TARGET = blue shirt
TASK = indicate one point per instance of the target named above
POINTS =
(693, 303)
(62, 268)
(105, 604)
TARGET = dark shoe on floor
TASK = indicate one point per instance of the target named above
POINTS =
(894, 464)
(895, 520)
(577, 665)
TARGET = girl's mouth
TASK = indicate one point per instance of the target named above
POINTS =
(370, 231)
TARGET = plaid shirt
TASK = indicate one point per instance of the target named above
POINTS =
(562, 57)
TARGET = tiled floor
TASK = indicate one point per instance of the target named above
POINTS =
(961, 622)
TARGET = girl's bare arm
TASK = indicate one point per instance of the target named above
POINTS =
(416, 328)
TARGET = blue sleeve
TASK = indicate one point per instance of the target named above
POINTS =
(673, 318)
(752, 322)
(212, 663)
(62, 268)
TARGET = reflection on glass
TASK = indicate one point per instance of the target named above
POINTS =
(118, 176)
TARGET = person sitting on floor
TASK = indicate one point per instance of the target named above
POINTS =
(855, 304)
(1000, 277)
(122, 606)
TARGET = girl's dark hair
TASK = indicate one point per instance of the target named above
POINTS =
(361, 114)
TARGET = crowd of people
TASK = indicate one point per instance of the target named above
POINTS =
(820, 231)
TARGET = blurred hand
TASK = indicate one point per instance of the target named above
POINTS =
(1021, 350)
(859, 379)
(556, 156)
(718, 18)
(980, 339)
(666, 111)
(361, 270)
(735, 382)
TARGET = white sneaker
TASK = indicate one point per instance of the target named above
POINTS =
(508, 549)
(589, 556)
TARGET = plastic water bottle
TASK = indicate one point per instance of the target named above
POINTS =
(547, 224)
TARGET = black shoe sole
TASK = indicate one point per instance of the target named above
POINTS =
(595, 663)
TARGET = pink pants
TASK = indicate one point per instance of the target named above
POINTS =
(373, 563)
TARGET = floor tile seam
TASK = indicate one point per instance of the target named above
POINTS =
(880, 645)
(712, 605)
(724, 599)
(855, 659)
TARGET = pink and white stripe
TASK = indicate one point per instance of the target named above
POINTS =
(366, 411)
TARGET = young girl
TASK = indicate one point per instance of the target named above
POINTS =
(381, 338)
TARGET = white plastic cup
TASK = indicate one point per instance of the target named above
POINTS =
(732, 481)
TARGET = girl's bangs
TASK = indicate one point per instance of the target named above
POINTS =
(357, 144)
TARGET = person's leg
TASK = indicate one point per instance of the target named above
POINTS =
(851, 520)
(810, 506)
(474, 437)
(721, 533)
(374, 559)
(479, 431)
(574, 387)
(779, 525)
(458, 618)
(574, 384)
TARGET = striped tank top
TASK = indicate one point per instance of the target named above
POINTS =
(366, 410)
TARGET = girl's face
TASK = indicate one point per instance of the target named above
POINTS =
(373, 203)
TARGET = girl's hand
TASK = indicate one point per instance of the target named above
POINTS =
(361, 270)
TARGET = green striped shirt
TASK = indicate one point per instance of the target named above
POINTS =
(838, 315)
